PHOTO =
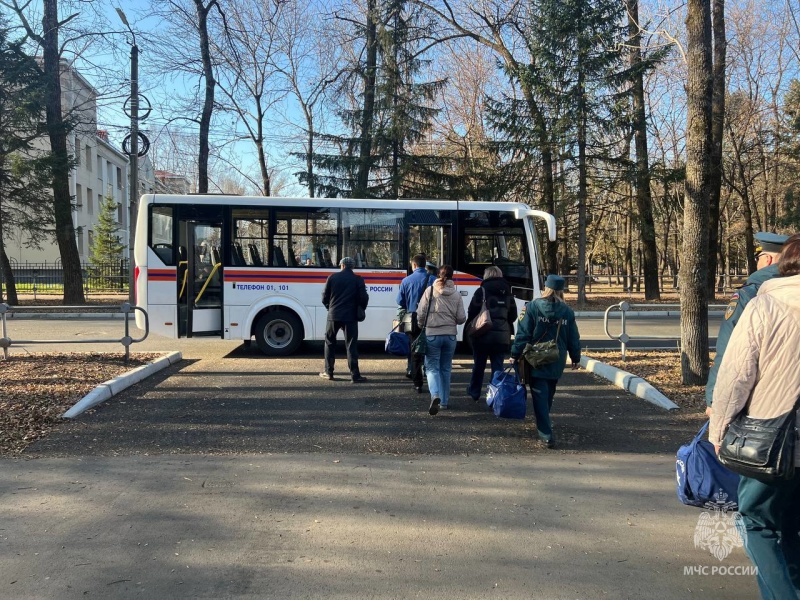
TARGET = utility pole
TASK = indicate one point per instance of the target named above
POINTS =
(133, 156)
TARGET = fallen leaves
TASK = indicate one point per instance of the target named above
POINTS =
(36, 389)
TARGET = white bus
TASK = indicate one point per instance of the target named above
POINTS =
(246, 268)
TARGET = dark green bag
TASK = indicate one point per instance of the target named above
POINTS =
(543, 353)
(420, 344)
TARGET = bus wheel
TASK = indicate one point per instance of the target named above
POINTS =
(279, 333)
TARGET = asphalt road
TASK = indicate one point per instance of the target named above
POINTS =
(234, 476)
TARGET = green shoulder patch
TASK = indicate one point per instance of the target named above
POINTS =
(521, 315)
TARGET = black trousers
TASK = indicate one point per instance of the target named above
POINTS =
(350, 342)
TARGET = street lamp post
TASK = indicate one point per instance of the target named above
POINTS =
(133, 165)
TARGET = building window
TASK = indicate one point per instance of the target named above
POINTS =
(119, 212)
(99, 203)
(119, 178)
(89, 201)
(91, 239)
(77, 151)
(100, 167)
(79, 236)
(78, 197)
(88, 158)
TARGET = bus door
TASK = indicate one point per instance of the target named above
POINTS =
(200, 278)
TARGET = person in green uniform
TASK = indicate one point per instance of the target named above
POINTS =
(768, 250)
(545, 319)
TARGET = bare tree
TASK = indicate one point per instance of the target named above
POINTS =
(247, 73)
(309, 64)
(184, 47)
(644, 201)
(694, 267)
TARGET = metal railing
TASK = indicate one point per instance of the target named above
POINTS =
(126, 340)
(623, 307)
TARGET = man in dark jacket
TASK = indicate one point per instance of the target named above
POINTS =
(344, 293)
(768, 251)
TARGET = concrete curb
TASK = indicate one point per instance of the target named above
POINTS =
(110, 388)
(628, 382)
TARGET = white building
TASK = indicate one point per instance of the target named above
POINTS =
(100, 170)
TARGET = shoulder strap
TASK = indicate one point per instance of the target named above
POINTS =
(430, 301)
(424, 288)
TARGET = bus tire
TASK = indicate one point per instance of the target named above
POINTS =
(278, 333)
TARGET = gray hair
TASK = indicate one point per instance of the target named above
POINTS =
(492, 272)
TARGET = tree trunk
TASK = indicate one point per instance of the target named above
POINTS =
(628, 285)
(57, 133)
(367, 117)
(694, 255)
(582, 177)
(717, 122)
(644, 200)
(208, 101)
(8, 274)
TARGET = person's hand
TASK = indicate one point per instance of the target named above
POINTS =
(716, 449)
(708, 411)
(512, 360)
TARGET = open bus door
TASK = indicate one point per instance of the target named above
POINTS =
(200, 305)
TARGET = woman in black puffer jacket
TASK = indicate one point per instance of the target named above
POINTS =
(495, 343)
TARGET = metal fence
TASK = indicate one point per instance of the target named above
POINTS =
(48, 277)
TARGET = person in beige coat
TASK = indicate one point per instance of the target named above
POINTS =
(441, 325)
(759, 374)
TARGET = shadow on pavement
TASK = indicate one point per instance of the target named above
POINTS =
(236, 405)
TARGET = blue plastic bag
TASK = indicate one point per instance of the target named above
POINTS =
(701, 479)
(397, 343)
(506, 395)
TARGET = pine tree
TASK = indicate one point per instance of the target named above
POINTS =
(383, 156)
(576, 76)
(106, 246)
(25, 201)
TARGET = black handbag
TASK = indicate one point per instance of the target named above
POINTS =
(420, 344)
(761, 449)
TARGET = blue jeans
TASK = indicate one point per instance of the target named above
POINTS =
(439, 365)
(771, 521)
(542, 392)
(479, 357)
